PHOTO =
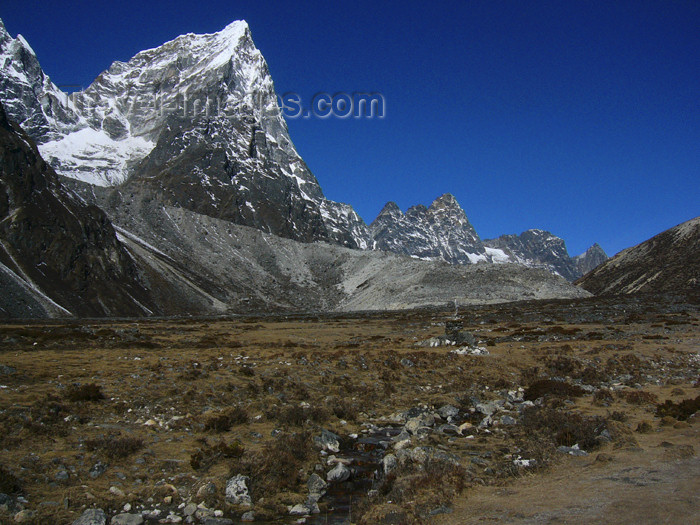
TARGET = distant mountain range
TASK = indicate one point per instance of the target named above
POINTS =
(443, 232)
(174, 188)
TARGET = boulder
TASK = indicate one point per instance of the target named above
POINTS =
(127, 519)
(338, 474)
(316, 485)
(447, 411)
(328, 441)
(92, 517)
(237, 491)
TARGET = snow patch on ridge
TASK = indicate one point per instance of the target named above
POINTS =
(92, 156)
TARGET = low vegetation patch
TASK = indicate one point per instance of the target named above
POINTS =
(637, 397)
(564, 428)
(681, 410)
(224, 420)
(278, 467)
(412, 491)
(89, 392)
(115, 447)
(550, 387)
(208, 455)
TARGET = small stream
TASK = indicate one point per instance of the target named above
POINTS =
(364, 455)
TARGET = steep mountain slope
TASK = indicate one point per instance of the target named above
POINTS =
(668, 262)
(58, 256)
(29, 96)
(218, 267)
(440, 232)
(590, 259)
(195, 120)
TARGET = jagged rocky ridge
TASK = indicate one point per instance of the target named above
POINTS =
(542, 249)
(212, 265)
(439, 232)
(443, 232)
(667, 263)
(58, 255)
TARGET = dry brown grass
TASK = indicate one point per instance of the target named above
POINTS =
(203, 398)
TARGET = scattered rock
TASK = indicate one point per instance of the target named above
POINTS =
(218, 521)
(97, 470)
(465, 426)
(470, 350)
(299, 509)
(127, 519)
(424, 420)
(237, 491)
(442, 509)
(316, 485)
(208, 489)
(462, 338)
(524, 463)
(24, 516)
(389, 463)
(448, 411)
(338, 474)
(62, 475)
(190, 509)
(516, 396)
(449, 430)
(328, 441)
(116, 491)
(508, 420)
(248, 516)
(488, 409)
(92, 517)
(572, 451)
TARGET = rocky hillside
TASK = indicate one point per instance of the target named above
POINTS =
(58, 256)
(668, 262)
(212, 265)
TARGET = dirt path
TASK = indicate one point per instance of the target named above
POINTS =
(656, 483)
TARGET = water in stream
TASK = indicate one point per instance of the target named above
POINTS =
(364, 455)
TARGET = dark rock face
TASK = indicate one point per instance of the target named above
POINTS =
(29, 96)
(537, 249)
(52, 244)
(666, 263)
(590, 259)
(440, 232)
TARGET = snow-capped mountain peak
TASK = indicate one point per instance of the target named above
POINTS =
(195, 119)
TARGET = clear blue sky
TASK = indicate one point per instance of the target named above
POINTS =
(580, 117)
